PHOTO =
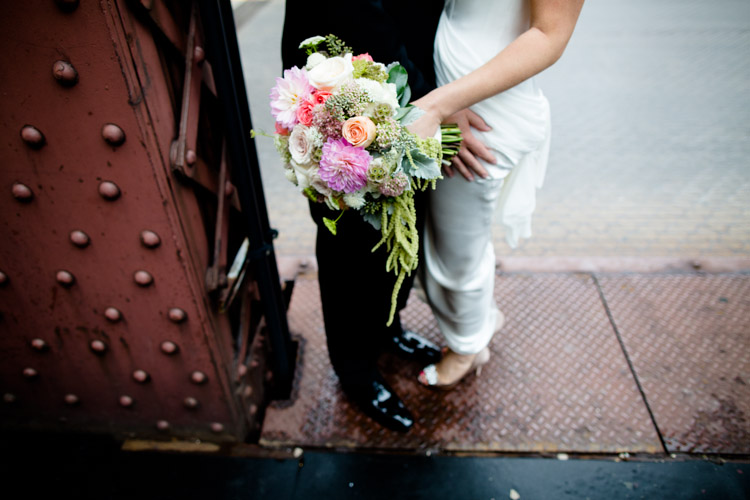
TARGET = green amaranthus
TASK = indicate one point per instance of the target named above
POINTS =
(399, 228)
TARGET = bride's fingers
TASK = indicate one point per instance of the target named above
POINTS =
(477, 148)
(476, 121)
(459, 165)
(448, 170)
(471, 163)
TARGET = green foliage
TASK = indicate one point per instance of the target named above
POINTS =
(368, 69)
(397, 75)
(417, 164)
(330, 224)
(336, 46)
(399, 234)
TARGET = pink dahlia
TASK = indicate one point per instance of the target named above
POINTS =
(344, 167)
(288, 94)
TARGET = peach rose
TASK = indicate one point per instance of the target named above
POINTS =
(359, 131)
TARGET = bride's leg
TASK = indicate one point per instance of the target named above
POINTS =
(460, 261)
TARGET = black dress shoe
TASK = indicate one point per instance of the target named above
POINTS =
(413, 347)
(378, 401)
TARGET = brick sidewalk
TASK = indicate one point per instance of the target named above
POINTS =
(650, 134)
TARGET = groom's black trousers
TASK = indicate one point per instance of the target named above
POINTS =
(355, 292)
(355, 288)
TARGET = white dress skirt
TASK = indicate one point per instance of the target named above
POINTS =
(459, 270)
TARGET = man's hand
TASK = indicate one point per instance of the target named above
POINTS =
(471, 148)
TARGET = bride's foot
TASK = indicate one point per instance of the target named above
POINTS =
(453, 368)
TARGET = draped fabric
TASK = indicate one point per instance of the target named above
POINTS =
(459, 254)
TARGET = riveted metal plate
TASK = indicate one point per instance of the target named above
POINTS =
(688, 337)
(557, 381)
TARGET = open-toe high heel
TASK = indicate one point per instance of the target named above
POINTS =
(430, 376)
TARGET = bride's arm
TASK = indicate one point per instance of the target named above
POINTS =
(551, 25)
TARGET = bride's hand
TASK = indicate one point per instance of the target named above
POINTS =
(426, 125)
(471, 148)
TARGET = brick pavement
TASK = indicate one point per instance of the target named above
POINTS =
(651, 134)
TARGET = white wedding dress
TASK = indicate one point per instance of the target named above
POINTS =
(460, 258)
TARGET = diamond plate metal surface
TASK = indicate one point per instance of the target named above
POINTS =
(688, 337)
(557, 381)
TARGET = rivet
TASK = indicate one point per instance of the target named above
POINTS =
(199, 54)
(22, 192)
(217, 427)
(112, 314)
(32, 136)
(67, 5)
(177, 315)
(254, 363)
(80, 239)
(126, 401)
(9, 397)
(65, 278)
(228, 189)
(191, 403)
(71, 399)
(190, 157)
(98, 346)
(162, 425)
(169, 347)
(198, 377)
(253, 409)
(65, 74)
(30, 373)
(269, 376)
(141, 376)
(150, 239)
(242, 370)
(109, 190)
(248, 391)
(39, 344)
(143, 278)
(113, 134)
(3, 279)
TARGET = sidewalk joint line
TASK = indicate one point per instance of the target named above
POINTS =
(630, 362)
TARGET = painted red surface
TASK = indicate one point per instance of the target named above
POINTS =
(104, 251)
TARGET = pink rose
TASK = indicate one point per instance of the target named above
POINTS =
(281, 130)
(365, 56)
(304, 113)
(359, 131)
(320, 96)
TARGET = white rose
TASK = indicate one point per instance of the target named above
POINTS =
(380, 93)
(300, 146)
(302, 173)
(314, 59)
(331, 73)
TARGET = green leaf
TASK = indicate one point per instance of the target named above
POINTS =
(424, 167)
(405, 97)
(398, 76)
(330, 224)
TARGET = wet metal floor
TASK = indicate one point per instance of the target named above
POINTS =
(587, 363)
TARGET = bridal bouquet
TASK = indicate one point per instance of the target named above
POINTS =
(341, 133)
